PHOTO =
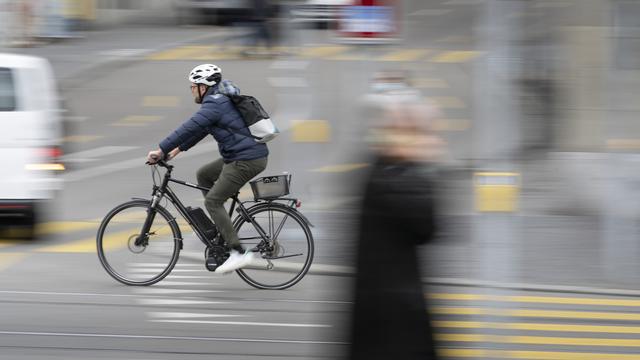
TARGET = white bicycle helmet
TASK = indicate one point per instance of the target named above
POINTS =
(204, 74)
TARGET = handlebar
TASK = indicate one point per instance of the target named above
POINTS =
(161, 163)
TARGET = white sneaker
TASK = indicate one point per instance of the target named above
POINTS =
(247, 258)
(235, 262)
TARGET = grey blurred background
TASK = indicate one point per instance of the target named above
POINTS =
(539, 186)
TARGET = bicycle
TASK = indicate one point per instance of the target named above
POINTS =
(139, 241)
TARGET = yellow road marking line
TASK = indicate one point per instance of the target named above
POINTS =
(573, 301)
(110, 242)
(220, 53)
(454, 39)
(405, 55)
(552, 4)
(451, 125)
(430, 83)
(537, 340)
(160, 101)
(443, 310)
(323, 51)
(535, 299)
(348, 57)
(340, 168)
(623, 144)
(316, 131)
(447, 102)
(533, 355)
(55, 227)
(137, 120)
(591, 315)
(538, 327)
(574, 314)
(455, 56)
(81, 138)
(7, 243)
(9, 259)
(181, 53)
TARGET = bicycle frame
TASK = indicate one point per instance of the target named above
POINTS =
(164, 190)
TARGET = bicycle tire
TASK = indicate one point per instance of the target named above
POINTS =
(104, 226)
(250, 275)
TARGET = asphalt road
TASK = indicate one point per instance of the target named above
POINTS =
(58, 303)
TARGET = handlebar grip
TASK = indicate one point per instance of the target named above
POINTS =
(160, 162)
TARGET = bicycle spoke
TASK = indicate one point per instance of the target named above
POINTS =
(289, 253)
(275, 236)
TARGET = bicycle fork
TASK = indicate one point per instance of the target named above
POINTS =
(143, 238)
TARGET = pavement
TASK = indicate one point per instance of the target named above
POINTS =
(557, 193)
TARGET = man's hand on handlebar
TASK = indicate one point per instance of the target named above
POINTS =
(154, 156)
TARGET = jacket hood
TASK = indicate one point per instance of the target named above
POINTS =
(226, 87)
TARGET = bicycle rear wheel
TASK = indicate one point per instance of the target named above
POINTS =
(284, 260)
(133, 264)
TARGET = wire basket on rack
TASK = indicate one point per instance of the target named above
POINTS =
(271, 187)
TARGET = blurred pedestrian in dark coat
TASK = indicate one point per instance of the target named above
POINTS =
(390, 318)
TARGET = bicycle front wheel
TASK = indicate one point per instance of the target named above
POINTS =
(138, 264)
(284, 257)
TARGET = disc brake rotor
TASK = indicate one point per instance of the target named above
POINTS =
(136, 249)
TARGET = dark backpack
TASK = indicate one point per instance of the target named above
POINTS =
(256, 119)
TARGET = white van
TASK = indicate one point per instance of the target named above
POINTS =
(30, 139)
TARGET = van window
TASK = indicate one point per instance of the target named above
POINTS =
(7, 90)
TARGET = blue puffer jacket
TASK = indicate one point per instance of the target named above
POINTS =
(216, 116)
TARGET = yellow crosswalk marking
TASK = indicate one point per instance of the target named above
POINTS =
(80, 138)
(7, 243)
(573, 301)
(430, 83)
(535, 299)
(559, 314)
(405, 55)
(57, 227)
(447, 102)
(160, 101)
(9, 259)
(80, 246)
(533, 355)
(623, 144)
(451, 125)
(110, 242)
(538, 327)
(444, 310)
(537, 340)
(591, 315)
(219, 53)
(181, 53)
(455, 56)
(311, 131)
(137, 120)
(349, 57)
(323, 51)
(340, 168)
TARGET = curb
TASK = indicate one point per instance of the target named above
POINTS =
(339, 270)
(91, 72)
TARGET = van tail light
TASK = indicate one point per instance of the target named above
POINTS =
(49, 160)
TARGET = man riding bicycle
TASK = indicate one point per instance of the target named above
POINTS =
(242, 157)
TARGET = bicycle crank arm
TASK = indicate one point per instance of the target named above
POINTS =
(281, 257)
